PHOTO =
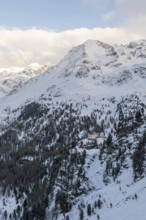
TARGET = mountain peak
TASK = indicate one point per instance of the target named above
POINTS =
(89, 55)
(96, 43)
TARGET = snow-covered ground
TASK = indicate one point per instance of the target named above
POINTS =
(91, 76)
(13, 78)
(122, 199)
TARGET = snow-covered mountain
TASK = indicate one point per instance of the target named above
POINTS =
(12, 78)
(73, 138)
(92, 68)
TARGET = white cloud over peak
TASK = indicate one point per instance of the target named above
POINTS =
(23, 47)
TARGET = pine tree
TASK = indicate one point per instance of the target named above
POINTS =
(121, 115)
(138, 160)
(81, 214)
(67, 217)
(138, 115)
(5, 214)
(99, 203)
(98, 217)
(89, 209)
(109, 139)
(14, 214)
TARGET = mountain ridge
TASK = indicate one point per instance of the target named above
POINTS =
(14, 77)
(74, 75)
(73, 138)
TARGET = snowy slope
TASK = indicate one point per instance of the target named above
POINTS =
(98, 80)
(91, 68)
(11, 78)
(91, 71)
(122, 199)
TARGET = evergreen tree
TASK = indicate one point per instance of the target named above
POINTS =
(67, 217)
(5, 214)
(89, 209)
(121, 115)
(81, 214)
(98, 217)
(109, 139)
(138, 115)
(138, 161)
(99, 203)
(63, 201)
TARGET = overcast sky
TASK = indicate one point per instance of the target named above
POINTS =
(44, 30)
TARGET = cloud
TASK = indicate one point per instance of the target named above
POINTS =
(109, 16)
(23, 47)
(131, 13)
(131, 7)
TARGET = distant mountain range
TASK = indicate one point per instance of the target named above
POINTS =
(12, 78)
